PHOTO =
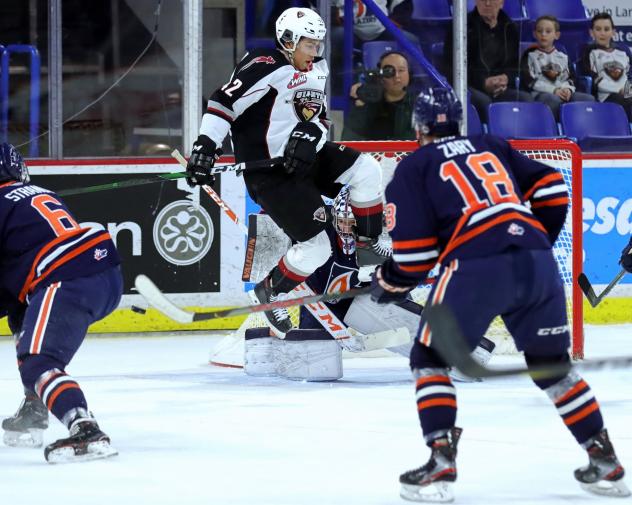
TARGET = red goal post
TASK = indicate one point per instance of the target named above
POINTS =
(567, 158)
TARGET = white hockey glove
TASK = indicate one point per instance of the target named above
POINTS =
(204, 154)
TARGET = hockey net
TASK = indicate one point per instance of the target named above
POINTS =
(562, 154)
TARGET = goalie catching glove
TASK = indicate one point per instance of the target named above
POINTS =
(204, 154)
(300, 151)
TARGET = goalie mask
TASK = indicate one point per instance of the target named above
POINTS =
(12, 166)
(344, 221)
(297, 22)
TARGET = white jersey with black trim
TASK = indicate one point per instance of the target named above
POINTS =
(262, 103)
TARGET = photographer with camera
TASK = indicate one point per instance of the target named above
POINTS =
(382, 104)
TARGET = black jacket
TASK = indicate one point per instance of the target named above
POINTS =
(478, 69)
(362, 122)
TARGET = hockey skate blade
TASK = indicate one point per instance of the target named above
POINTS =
(157, 299)
(94, 450)
(30, 438)
(436, 492)
(611, 488)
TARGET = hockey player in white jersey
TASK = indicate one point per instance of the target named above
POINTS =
(274, 104)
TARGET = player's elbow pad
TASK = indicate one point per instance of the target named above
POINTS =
(552, 218)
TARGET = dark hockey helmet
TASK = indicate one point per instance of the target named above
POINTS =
(437, 112)
(12, 166)
(343, 219)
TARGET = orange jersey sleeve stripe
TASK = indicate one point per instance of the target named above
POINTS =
(419, 268)
(42, 252)
(542, 182)
(437, 402)
(585, 412)
(413, 244)
(563, 201)
(453, 244)
(65, 259)
(432, 378)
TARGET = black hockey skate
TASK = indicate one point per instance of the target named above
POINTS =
(433, 481)
(279, 319)
(26, 427)
(86, 442)
(373, 251)
(604, 474)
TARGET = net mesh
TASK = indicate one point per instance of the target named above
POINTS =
(559, 157)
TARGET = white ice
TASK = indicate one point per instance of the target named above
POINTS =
(190, 433)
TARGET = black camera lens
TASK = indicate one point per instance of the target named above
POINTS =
(388, 71)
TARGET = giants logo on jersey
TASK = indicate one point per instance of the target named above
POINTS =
(297, 79)
(308, 103)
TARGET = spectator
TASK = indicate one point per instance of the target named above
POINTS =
(493, 47)
(544, 70)
(366, 28)
(608, 63)
(383, 105)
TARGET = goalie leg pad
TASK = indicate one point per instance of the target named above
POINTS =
(260, 353)
(310, 355)
(366, 316)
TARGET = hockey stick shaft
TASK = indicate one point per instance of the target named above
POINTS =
(589, 291)
(448, 340)
(238, 168)
(157, 299)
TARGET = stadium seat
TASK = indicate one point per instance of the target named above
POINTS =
(521, 120)
(474, 125)
(431, 20)
(597, 125)
(371, 52)
(574, 21)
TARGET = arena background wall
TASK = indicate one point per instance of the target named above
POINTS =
(177, 236)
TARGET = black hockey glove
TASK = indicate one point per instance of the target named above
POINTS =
(204, 154)
(626, 257)
(383, 292)
(300, 151)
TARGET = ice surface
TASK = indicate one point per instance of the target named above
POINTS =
(189, 433)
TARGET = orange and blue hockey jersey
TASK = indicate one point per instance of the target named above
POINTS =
(41, 242)
(468, 197)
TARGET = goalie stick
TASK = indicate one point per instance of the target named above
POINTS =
(159, 301)
(448, 340)
(238, 168)
(589, 292)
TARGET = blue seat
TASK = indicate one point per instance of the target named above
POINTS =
(521, 120)
(474, 125)
(597, 125)
(371, 52)
(431, 20)
(574, 21)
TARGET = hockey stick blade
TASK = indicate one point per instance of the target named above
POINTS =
(589, 292)
(158, 300)
(448, 340)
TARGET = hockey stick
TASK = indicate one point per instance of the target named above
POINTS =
(588, 290)
(448, 340)
(238, 168)
(158, 300)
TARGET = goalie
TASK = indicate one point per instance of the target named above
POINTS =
(313, 351)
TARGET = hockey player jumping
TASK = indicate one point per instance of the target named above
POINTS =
(274, 104)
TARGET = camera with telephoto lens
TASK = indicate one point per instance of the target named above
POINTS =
(371, 91)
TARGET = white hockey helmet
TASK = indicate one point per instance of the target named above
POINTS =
(297, 22)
